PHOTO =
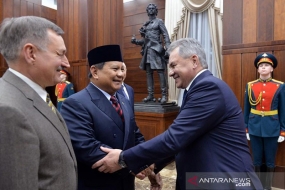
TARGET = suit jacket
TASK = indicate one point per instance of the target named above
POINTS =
(207, 136)
(130, 91)
(36, 151)
(273, 99)
(93, 122)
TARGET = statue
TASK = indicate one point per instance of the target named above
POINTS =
(154, 53)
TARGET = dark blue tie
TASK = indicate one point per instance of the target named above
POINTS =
(184, 94)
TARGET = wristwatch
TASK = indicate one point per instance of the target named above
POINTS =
(121, 161)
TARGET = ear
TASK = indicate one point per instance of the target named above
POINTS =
(195, 60)
(29, 51)
(94, 72)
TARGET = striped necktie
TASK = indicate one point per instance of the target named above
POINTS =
(117, 107)
(50, 104)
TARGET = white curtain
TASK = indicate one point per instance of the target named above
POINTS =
(206, 26)
(176, 16)
(199, 29)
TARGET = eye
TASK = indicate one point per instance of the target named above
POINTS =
(60, 54)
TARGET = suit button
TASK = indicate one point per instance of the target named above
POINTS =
(115, 135)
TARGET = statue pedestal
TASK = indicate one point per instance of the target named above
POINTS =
(154, 118)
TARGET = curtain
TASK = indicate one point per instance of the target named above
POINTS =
(199, 29)
(209, 13)
(177, 20)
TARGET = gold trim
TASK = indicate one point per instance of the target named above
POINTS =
(264, 113)
(251, 101)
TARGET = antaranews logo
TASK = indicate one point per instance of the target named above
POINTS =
(218, 180)
(193, 180)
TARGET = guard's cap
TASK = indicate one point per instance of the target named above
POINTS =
(266, 58)
(104, 54)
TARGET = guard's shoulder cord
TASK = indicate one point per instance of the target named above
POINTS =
(251, 101)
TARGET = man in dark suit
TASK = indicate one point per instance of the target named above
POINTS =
(93, 122)
(36, 151)
(126, 90)
(207, 138)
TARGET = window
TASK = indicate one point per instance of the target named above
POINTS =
(50, 3)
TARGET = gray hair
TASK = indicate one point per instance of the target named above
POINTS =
(99, 66)
(189, 47)
(16, 32)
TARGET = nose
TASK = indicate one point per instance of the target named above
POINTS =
(170, 73)
(120, 72)
(65, 62)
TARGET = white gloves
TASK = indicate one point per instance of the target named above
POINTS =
(247, 136)
(280, 139)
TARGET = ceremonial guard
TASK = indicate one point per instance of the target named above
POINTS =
(63, 89)
(264, 115)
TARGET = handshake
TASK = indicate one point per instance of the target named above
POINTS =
(155, 179)
(109, 164)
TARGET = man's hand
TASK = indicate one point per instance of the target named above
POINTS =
(108, 164)
(247, 136)
(155, 181)
(146, 172)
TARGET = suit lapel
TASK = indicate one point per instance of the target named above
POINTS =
(130, 93)
(196, 80)
(100, 100)
(124, 106)
(40, 105)
(120, 91)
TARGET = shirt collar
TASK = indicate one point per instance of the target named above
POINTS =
(108, 96)
(266, 80)
(39, 90)
(195, 78)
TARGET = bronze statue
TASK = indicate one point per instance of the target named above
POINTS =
(153, 52)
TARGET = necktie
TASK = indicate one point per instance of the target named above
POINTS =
(184, 94)
(50, 104)
(117, 107)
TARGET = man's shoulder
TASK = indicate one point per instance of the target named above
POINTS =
(277, 81)
(252, 82)
(158, 20)
(128, 86)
